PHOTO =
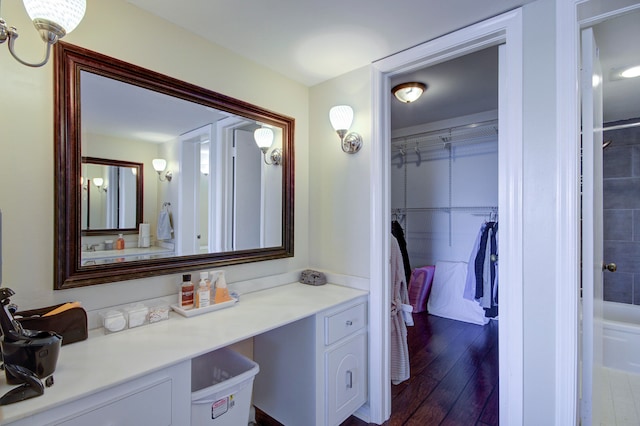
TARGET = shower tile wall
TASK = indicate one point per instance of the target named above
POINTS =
(622, 213)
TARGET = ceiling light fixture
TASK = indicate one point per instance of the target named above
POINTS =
(631, 72)
(341, 117)
(409, 92)
(52, 18)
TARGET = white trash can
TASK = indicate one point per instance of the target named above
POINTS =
(221, 387)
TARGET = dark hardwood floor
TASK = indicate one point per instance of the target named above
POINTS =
(454, 376)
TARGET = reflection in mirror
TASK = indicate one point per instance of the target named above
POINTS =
(111, 196)
(223, 205)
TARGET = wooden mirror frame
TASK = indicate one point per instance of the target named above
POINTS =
(69, 61)
(139, 195)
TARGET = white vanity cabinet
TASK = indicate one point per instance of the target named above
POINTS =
(311, 346)
(314, 371)
(162, 398)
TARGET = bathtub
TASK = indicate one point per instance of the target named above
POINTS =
(621, 334)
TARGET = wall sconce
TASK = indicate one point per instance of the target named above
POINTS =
(204, 168)
(341, 117)
(409, 92)
(52, 18)
(264, 140)
(159, 164)
(98, 182)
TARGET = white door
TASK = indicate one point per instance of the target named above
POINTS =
(248, 188)
(188, 233)
(592, 252)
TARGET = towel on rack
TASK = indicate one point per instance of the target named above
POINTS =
(164, 228)
(399, 297)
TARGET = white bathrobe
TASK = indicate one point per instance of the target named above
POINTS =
(399, 295)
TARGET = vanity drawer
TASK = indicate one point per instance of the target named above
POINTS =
(344, 323)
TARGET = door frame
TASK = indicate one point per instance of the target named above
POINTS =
(568, 27)
(505, 28)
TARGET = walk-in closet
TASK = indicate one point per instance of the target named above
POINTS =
(444, 212)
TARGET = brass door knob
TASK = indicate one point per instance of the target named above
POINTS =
(611, 267)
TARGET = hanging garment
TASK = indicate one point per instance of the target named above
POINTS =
(398, 232)
(164, 228)
(482, 275)
(399, 297)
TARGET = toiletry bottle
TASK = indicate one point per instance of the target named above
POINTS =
(203, 294)
(222, 292)
(186, 292)
(120, 242)
(213, 277)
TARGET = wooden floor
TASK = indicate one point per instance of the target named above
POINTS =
(454, 376)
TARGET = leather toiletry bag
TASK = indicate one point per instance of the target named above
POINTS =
(71, 324)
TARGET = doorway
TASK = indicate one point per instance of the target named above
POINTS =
(612, 177)
(506, 31)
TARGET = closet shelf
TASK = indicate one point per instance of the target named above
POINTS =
(445, 209)
(472, 133)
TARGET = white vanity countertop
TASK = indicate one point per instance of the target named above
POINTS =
(132, 251)
(104, 361)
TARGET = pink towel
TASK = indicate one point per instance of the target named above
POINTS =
(420, 287)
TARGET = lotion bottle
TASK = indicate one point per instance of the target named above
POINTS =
(222, 292)
(120, 242)
(203, 294)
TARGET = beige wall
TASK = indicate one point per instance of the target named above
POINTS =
(339, 208)
(340, 182)
(121, 30)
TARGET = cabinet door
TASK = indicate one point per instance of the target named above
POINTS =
(346, 369)
(151, 406)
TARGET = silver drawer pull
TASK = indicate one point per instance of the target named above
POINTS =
(349, 379)
(349, 322)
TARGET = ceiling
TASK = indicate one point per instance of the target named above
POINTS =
(462, 86)
(469, 84)
(617, 40)
(311, 41)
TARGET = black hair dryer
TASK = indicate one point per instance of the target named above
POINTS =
(28, 355)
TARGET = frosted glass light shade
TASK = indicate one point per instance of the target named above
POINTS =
(409, 92)
(263, 137)
(98, 181)
(159, 164)
(631, 72)
(341, 117)
(65, 13)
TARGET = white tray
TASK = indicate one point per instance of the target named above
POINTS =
(199, 311)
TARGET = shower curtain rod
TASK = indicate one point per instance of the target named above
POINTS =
(620, 126)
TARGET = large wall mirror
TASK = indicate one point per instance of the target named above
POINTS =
(170, 168)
